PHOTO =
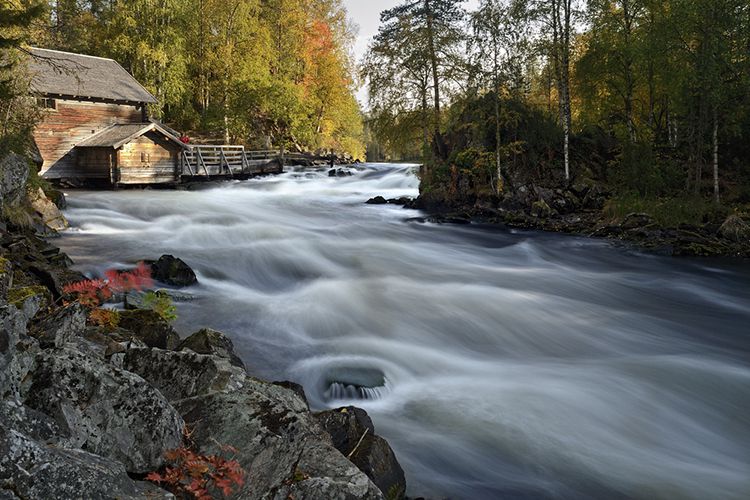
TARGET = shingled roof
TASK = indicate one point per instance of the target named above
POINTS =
(77, 76)
(116, 136)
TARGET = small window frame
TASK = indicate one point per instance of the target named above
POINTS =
(47, 103)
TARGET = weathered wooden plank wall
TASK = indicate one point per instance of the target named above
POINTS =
(147, 160)
(72, 121)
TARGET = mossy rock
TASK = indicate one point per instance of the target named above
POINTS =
(30, 299)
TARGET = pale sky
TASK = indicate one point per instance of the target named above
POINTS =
(366, 14)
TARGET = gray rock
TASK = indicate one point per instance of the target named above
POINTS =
(180, 375)
(105, 410)
(30, 300)
(208, 341)
(14, 172)
(36, 425)
(60, 328)
(735, 229)
(150, 328)
(12, 330)
(281, 446)
(353, 434)
(173, 271)
(33, 471)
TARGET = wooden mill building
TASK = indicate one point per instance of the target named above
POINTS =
(96, 125)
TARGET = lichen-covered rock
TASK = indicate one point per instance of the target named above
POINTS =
(281, 446)
(105, 410)
(353, 434)
(14, 172)
(36, 472)
(735, 229)
(208, 341)
(150, 328)
(34, 424)
(183, 374)
(58, 329)
(173, 271)
(541, 209)
(30, 299)
(12, 329)
(48, 212)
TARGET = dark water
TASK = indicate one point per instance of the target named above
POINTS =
(500, 364)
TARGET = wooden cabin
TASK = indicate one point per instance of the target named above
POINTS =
(96, 125)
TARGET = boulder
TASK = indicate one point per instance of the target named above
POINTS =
(281, 446)
(34, 471)
(30, 299)
(735, 229)
(378, 200)
(184, 374)
(173, 271)
(215, 343)
(636, 220)
(58, 329)
(14, 172)
(36, 425)
(541, 209)
(12, 330)
(105, 410)
(353, 434)
(150, 328)
(48, 211)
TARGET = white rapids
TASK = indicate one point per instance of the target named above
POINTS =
(498, 364)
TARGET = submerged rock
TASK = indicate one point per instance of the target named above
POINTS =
(378, 200)
(105, 410)
(173, 271)
(353, 434)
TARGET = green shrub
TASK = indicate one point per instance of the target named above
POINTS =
(161, 304)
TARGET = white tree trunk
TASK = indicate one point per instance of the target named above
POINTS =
(717, 197)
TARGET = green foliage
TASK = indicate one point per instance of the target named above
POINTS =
(668, 212)
(161, 304)
(264, 73)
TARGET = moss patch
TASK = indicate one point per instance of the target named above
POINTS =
(18, 296)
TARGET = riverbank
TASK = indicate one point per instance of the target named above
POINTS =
(581, 210)
(127, 411)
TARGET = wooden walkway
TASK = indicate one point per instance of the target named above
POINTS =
(228, 161)
(206, 161)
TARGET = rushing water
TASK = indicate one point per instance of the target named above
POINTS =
(499, 364)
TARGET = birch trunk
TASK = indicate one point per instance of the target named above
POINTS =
(717, 197)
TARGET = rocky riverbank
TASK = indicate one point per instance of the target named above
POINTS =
(578, 210)
(91, 412)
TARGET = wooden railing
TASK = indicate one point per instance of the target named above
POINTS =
(210, 161)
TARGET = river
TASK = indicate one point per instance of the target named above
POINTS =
(498, 364)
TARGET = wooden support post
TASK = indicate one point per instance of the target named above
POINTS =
(202, 162)
(223, 162)
(245, 164)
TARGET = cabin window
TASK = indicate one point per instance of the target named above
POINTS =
(145, 157)
(46, 103)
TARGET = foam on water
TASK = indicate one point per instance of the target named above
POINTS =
(497, 363)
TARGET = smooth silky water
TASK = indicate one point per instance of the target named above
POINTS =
(499, 364)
